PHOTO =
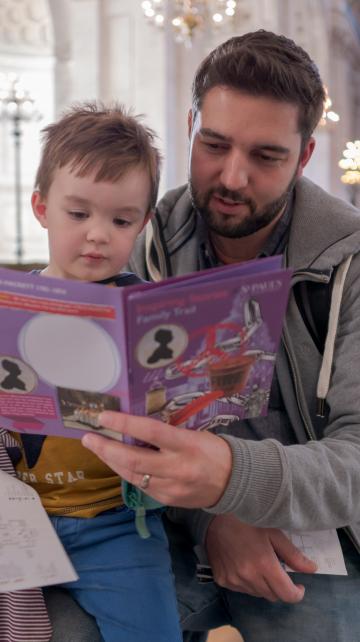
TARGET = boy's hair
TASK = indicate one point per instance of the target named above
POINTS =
(262, 63)
(108, 140)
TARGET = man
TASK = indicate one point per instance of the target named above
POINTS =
(256, 100)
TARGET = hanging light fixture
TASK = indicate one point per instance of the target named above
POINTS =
(188, 17)
(329, 115)
(351, 163)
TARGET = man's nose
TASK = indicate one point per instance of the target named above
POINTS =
(234, 174)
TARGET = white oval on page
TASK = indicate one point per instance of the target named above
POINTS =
(70, 352)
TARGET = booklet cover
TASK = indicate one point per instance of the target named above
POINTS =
(196, 351)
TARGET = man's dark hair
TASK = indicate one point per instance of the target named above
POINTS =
(262, 63)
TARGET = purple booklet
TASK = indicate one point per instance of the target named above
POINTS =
(197, 351)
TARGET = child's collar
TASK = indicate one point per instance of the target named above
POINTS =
(110, 279)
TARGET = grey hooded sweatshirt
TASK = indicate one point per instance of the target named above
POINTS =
(315, 483)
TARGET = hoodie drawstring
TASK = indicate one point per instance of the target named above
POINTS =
(327, 360)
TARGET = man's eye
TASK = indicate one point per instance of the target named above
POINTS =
(272, 160)
(77, 216)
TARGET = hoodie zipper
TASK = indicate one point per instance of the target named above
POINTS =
(318, 278)
(308, 427)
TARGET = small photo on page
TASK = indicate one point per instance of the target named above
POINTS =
(81, 409)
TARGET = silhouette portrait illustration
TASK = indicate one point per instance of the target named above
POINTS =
(163, 338)
(12, 380)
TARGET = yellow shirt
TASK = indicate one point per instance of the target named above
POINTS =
(69, 478)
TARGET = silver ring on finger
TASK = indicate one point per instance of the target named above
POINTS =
(145, 481)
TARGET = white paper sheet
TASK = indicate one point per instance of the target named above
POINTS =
(31, 553)
(323, 547)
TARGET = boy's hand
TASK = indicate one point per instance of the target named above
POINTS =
(187, 468)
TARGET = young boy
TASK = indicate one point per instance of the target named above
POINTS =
(95, 189)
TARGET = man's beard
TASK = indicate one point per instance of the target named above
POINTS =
(255, 220)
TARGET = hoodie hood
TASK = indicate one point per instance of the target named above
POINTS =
(324, 231)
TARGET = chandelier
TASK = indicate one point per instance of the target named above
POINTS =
(328, 114)
(351, 163)
(188, 17)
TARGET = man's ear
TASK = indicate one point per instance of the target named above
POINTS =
(306, 155)
(39, 208)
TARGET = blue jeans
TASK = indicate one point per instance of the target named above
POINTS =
(125, 582)
(329, 611)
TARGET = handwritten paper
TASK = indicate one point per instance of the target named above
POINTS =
(323, 547)
(31, 553)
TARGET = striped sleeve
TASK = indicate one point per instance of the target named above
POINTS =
(23, 615)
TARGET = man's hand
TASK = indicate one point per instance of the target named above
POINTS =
(245, 558)
(187, 468)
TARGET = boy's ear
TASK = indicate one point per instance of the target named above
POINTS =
(39, 208)
(190, 122)
(147, 218)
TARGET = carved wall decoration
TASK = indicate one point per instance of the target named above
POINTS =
(26, 25)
